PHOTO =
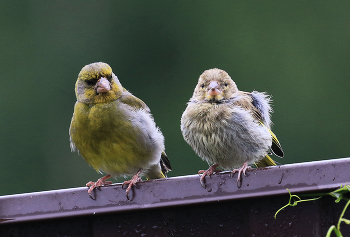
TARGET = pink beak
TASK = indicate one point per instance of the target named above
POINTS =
(213, 89)
(102, 85)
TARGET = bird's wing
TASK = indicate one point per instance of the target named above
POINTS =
(258, 104)
(133, 101)
(261, 102)
(276, 146)
(246, 101)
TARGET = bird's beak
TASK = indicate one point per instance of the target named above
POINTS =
(102, 85)
(213, 89)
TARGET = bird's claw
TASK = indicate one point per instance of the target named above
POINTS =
(212, 169)
(132, 182)
(100, 182)
(245, 167)
(202, 181)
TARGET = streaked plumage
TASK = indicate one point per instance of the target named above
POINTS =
(227, 127)
(113, 130)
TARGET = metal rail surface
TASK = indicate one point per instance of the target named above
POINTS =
(184, 190)
(177, 193)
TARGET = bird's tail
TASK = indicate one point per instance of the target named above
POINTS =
(159, 170)
(267, 161)
(276, 147)
(165, 163)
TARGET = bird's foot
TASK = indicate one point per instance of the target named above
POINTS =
(132, 182)
(212, 169)
(245, 167)
(100, 182)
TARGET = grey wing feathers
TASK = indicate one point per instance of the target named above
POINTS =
(261, 101)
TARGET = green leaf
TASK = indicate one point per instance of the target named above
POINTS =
(343, 193)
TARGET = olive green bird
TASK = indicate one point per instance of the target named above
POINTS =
(227, 127)
(114, 131)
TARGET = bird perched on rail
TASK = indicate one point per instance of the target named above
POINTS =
(227, 127)
(114, 131)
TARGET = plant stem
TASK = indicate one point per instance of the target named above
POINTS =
(342, 214)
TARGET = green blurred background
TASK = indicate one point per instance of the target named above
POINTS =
(297, 51)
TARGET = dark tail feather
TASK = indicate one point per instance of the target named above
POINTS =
(276, 146)
(165, 164)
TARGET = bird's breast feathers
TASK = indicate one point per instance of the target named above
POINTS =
(115, 138)
(223, 130)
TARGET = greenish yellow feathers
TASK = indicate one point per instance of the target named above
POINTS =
(267, 161)
(95, 71)
(87, 79)
(276, 149)
(114, 130)
(276, 146)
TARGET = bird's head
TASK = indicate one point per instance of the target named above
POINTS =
(97, 84)
(214, 85)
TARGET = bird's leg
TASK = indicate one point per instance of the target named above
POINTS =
(212, 169)
(132, 182)
(100, 182)
(245, 167)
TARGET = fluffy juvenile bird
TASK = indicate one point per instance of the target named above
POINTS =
(114, 131)
(227, 127)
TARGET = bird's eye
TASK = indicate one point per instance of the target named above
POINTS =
(202, 86)
(91, 82)
(225, 83)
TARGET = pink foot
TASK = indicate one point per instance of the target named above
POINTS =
(245, 167)
(100, 182)
(212, 169)
(132, 182)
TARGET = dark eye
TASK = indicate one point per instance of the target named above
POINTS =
(225, 83)
(91, 82)
(202, 86)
